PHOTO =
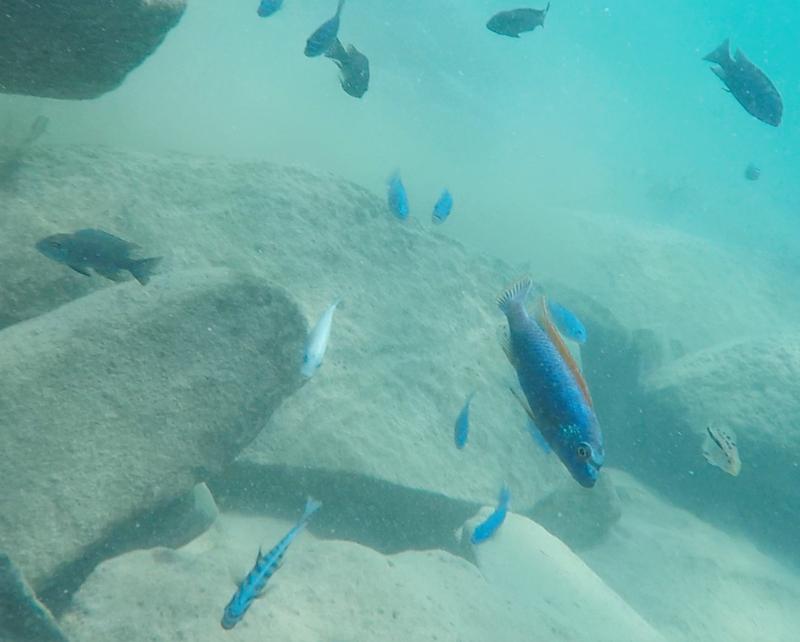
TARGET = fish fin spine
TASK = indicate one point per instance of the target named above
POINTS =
(515, 295)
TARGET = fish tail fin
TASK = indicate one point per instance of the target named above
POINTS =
(312, 506)
(393, 177)
(721, 55)
(142, 269)
(339, 7)
(515, 295)
(505, 495)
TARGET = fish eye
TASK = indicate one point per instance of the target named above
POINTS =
(583, 451)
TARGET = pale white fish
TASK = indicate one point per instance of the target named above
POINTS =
(720, 450)
(317, 342)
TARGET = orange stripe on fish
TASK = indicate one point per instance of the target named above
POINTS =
(543, 317)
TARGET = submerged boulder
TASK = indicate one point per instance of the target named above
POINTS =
(80, 49)
(121, 401)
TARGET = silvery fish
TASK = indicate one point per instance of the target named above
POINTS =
(517, 21)
(461, 432)
(487, 528)
(558, 399)
(325, 35)
(720, 450)
(443, 207)
(397, 197)
(567, 323)
(747, 84)
(317, 342)
(254, 584)
(106, 254)
(267, 7)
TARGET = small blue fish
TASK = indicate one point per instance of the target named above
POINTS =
(487, 528)
(462, 424)
(253, 585)
(567, 323)
(442, 208)
(398, 199)
(325, 36)
(268, 7)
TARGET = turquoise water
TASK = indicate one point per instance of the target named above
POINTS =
(598, 154)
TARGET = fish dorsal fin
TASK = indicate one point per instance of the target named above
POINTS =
(543, 317)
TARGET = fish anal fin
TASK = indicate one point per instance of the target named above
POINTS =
(543, 317)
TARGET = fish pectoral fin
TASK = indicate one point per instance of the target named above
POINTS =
(80, 270)
(524, 403)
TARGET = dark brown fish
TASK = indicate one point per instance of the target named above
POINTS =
(517, 21)
(354, 68)
(106, 254)
(748, 84)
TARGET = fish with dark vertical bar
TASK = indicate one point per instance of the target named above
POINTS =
(747, 84)
(517, 21)
(557, 398)
(254, 584)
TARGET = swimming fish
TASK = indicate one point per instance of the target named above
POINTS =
(106, 254)
(461, 433)
(747, 84)
(558, 399)
(325, 35)
(253, 585)
(398, 199)
(267, 7)
(567, 323)
(353, 67)
(719, 449)
(487, 528)
(517, 21)
(752, 172)
(317, 342)
(442, 208)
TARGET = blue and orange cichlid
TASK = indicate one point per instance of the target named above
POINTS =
(558, 400)
(253, 585)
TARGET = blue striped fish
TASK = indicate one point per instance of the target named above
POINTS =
(557, 396)
(253, 585)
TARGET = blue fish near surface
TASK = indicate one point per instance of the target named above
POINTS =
(325, 35)
(558, 399)
(487, 528)
(253, 585)
(461, 433)
(567, 323)
(267, 7)
(397, 197)
(443, 207)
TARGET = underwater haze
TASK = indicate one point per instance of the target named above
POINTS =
(228, 296)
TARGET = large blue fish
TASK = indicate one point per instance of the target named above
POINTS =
(567, 323)
(267, 7)
(397, 197)
(558, 400)
(487, 528)
(325, 35)
(253, 585)
(443, 207)
(461, 433)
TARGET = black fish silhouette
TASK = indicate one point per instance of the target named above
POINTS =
(517, 21)
(354, 68)
(748, 84)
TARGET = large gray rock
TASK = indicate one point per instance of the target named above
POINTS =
(122, 400)
(79, 49)
(334, 590)
(415, 335)
(749, 386)
(692, 581)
